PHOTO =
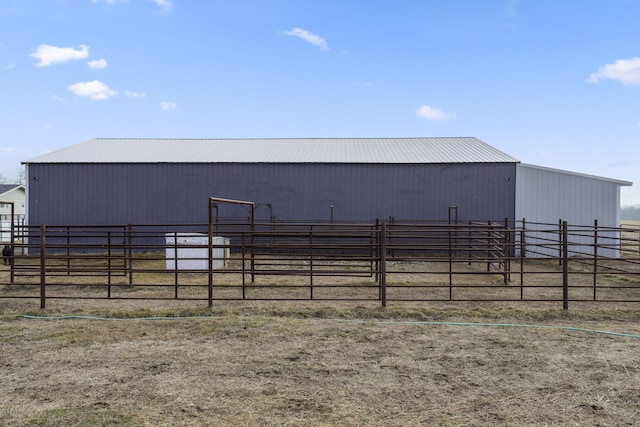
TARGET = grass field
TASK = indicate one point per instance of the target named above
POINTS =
(295, 364)
(92, 362)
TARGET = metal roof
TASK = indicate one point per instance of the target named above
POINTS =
(279, 150)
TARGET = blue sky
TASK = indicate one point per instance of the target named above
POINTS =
(554, 83)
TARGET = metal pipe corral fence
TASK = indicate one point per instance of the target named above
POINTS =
(377, 261)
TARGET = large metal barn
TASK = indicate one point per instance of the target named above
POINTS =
(169, 181)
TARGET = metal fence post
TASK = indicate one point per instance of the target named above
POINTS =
(595, 258)
(375, 253)
(311, 262)
(383, 263)
(523, 243)
(244, 269)
(561, 242)
(523, 251)
(12, 241)
(43, 265)
(68, 249)
(489, 245)
(507, 252)
(130, 253)
(450, 255)
(210, 257)
(565, 267)
(109, 255)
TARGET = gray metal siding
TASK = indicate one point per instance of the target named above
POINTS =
(548, 196)
(178, 193)
(545, 195)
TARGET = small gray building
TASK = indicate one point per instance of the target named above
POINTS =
(549, 195)
(169, 181)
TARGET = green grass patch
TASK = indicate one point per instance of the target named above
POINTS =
(93, 415)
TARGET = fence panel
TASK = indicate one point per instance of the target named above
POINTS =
(402, 261)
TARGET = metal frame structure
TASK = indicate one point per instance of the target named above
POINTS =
(374, 259)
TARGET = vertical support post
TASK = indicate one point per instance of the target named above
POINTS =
(175, 264)
(372, 262)
(595, 258)
(565, 267)
(376, 252)
(210, 257)
(43, 266)
(560, 241)
(122, 246)
(392, 222)
(68, 251)
(523, 243)
(453, 210)
(253, 241)
(450, 265)
(469, 243)
(522, 254)
(217, 214)
(12, 242)
(489, 244)
(244, 272)
(506, 253)
(311, 262)
(130, 253)
(108, 264)
(383, 263)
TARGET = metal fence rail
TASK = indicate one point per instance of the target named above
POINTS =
(368, 261)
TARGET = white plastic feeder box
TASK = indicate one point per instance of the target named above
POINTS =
(191, 251)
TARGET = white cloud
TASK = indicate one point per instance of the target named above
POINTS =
(98, 64)
(626, 71)
(131, 94)
(308, 37)
(432, 113)
(168, 106)
(163, 4)
(10, 66)
(49, 55)
(95, 90)
(363, 84)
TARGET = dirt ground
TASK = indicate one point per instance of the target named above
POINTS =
(286, 364)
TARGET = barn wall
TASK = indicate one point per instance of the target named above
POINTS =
(549, 196)
(545, 195)
(178, 193)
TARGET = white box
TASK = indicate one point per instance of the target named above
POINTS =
(192, 251)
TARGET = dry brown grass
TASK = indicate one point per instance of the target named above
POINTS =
(406, 281)
(165, 362)
(315, 364)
